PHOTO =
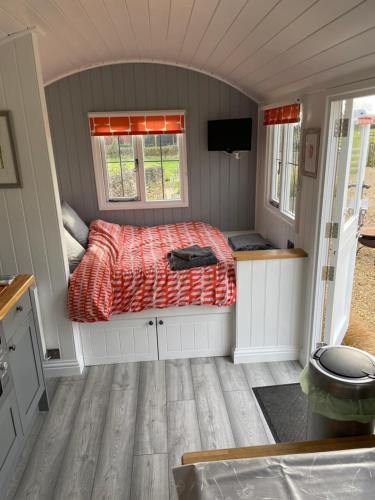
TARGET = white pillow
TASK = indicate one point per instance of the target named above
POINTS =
(74, 224)
(74, 250)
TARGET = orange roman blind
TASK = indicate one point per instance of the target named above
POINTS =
(137, 124)
(283, 114)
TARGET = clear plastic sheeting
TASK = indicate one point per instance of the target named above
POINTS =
(324, 403)
(338, 475)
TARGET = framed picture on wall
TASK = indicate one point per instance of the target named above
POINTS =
(310, 152)
(9, 173)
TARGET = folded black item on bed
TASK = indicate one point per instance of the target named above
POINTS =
(250, 241)
(189, 257)
(192, 252)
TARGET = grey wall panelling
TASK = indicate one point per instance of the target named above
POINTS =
(221, 189)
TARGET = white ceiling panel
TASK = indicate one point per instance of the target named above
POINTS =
(159, 21)
(281, 16)
(9, 24)
(336, 32)
(341, 54)
(309, 22)
(139, 14)
(267, 48)
(225, 15)
(179, 19)
(252, 15)
(349, 72)
(200, 20)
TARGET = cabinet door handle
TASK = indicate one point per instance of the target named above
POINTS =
(161, 322)
(19, 308)
(150, 322)
(12, 347)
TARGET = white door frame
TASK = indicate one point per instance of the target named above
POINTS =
(325, 203)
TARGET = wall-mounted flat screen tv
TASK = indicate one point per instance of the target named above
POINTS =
(229, 135)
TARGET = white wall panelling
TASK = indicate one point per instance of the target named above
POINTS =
(278, 229)
(29, 217)
(269, 309)
(267, 48)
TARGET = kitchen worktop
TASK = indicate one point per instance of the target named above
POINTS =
(10, 294)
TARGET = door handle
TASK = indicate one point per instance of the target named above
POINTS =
(19, 308)
(150, 322)
(161, 322)
(12, 347)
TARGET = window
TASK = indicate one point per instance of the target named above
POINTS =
(137, 167)
(284, 140)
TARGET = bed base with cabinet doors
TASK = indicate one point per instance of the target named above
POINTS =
(265, 324)
(170, 333)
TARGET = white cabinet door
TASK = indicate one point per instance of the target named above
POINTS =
(195, 336)
(119, 341)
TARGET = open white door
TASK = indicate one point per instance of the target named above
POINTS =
(347, 152)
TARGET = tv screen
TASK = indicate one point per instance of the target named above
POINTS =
(229, 135)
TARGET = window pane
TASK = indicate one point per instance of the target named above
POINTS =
(352, 191)
(292, 166)
(278, 160)
(120, 164)
(169, 147)
(161, 159)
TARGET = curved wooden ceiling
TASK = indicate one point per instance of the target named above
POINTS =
(267, 48)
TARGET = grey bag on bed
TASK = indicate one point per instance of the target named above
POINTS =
(74, 250)
(250, 241)
(74, 224)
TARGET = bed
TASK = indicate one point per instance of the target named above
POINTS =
(125, 269)
(130, 306)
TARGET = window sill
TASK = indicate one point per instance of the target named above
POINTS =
(141, 205)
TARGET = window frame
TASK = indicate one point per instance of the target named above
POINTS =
(282, 206)
(101, 177)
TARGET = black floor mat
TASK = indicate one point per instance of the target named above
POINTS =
(285, 409)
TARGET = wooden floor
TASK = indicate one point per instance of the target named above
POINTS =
(117, 432)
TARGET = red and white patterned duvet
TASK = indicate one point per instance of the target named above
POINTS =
(125, 269)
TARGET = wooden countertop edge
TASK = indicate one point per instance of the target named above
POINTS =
(13, 292)
(282, 253)
(321, 445)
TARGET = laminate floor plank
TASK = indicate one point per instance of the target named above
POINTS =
(258, 374)
(51, 386)
(43, 468)
(117, 431)
(231, 376)
(179, 380)
(78, 469)
(183, 435)
(212, 413)
(245, 419)
(114, 469)
(285, 372)
(150, 477)
(126, 376)
(151, 428)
